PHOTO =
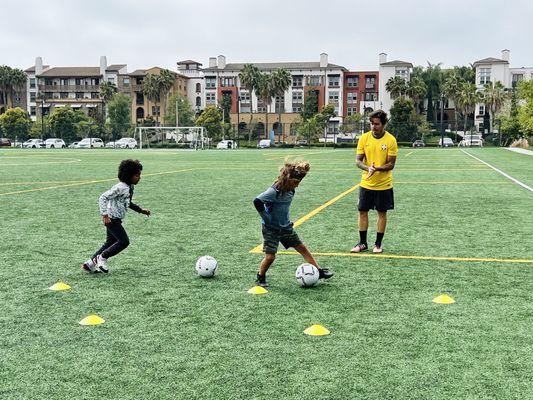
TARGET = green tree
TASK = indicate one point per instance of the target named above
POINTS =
(403, 120)
(248, 77)
(510, 128)
(351, 123)
(466, 101)
(211, 120)
(433, 78)
(11, 80)
(265, 91)
(186, 113)
(119, 115)
(87, 128)
(452, 89)
(396, 87)
(166, 79)
(494, 97)
(107, 91)
(15, 123)
(282, 82)
(525, 113)
(63, 123)
(309, 129)
(151, 89)
(416, 90)
(310, 105)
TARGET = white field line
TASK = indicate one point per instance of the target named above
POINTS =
(500, 171)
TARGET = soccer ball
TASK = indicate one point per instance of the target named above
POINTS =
(307, 275)
(206, 266)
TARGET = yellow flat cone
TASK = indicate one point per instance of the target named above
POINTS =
(59, 286)
(316, 330)
(443, 299)
(257, 290)
(92, 320)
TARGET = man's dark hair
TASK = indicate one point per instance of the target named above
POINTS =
(382, 115)
(127, 169)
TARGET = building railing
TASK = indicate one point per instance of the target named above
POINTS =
(69, 88)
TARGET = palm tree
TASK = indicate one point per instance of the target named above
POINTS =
(107, 91)
(248, 77)
(265, 91)
(151, 89)
(282, 82)
(452, 89)
(11, 80)
(466, 101)
(396, 86)
(494, 96)
(166, 80)
(416, 90)
(433, 78)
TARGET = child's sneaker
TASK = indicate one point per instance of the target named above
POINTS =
(89, 265)
(324, 273)
(260, 280)
(377, 249)
(101, 264)
(359, 247)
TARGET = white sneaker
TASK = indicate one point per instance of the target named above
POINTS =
(101, 264)
(89, 265)
(377, 249)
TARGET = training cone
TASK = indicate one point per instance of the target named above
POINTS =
(316, 330)
(92, 320)
(59, 286)
(257, 290)
(443, 299)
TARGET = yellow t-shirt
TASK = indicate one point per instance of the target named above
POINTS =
(376, 151)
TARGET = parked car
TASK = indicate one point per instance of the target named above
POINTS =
(33, 144)
(446, 142)
(301, 142)
(471, 140)
(110, 145)
(5, 142)
(126, 143)
(54, 143)
(73, 145)
(227, 144)
(419, 143)
(264, 143)
(89, 143)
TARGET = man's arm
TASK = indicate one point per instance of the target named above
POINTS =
(359, 161)
(389, 165)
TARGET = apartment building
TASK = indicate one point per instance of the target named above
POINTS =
(360, 92)
(387, 70)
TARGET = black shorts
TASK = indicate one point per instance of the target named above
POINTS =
(272, 238)
(379, 200)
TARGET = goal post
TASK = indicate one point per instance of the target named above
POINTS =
(192, 137)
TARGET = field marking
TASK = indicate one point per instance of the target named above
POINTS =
(311, 214)
(90, 182)
(308, 153)
(38, 183)
(408, 257)
(73, 160)
(408, 154)
(451, 182)
(500, 171)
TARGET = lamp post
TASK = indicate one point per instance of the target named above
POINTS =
(42, 117)
(442, 120)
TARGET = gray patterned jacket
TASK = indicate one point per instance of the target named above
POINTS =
(116, 200)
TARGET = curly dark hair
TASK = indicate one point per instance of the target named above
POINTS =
(295, 170)
(127, 169)
(380, 114)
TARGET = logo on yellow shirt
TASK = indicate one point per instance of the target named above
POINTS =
(383, 146)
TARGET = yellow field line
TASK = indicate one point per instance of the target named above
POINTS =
(307, 216)
(406, 257)
(89, 182)
(281, 157)
(37, 183)
(451, 182)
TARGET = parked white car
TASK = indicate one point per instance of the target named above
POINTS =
(126, 143)
(73, 145)
(471, 140)
(264, 143)
(54, 143)
(227, 144)
(33, 144)
(89, 143)
(447, 142)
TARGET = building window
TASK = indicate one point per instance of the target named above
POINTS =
(198, 101)
(198, 88)
(94, 95)
(32, 83)
(333, 127)
(139, 98)
(111, 80)
(32, 97)
(63, 95)
(79, 95)
(210, 98)
(370, 82)
(296, 108)
(517, 78)
(371, 96)
(351, 97)
(227, 82)
(352, 81)
(402, 72)
(156, 110)
(297, 81)
(351, 111)
(333, 80)
(333, 97)
(484, 76)
(482, 110)
(244, 97)
(297, 97)
(32, 110)
(314, 81)
(126, 82)
(210, 82)
(261, 107)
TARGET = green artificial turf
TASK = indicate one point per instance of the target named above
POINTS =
(172, 335)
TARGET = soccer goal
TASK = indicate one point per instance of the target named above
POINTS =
(192, 137)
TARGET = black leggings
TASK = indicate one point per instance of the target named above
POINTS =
(116, 241)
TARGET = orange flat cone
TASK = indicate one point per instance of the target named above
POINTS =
(92, 320)
(443, 299)
(316, 330)
(257, 290)
(59, 286)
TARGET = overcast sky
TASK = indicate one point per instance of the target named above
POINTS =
(146, 33)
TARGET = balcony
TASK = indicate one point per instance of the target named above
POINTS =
(69, 88)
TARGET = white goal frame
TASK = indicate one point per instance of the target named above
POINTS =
(194, 135)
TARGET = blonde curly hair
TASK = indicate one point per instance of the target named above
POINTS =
(290, 172)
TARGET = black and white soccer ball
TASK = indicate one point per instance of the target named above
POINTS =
(307, 275)
(206, 266)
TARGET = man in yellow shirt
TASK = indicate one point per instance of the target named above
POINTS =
(376, 156)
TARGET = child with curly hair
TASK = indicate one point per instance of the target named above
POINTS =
(113, 205)
(273, 206)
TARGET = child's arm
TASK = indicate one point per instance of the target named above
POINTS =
(104, 198)
(138, 209)
(263, 204)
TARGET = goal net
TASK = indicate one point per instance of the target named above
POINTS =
(192, 137)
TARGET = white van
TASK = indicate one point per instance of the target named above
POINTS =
(264, 143)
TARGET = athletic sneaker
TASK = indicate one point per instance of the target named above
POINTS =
(359, 247)
(377, 249)
(260, 280)
(324, 273)
(89, 265)
(101, 264)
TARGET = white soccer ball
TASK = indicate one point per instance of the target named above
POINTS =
(307, 275)
(206, 266)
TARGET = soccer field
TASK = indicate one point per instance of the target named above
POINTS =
(459, 228)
